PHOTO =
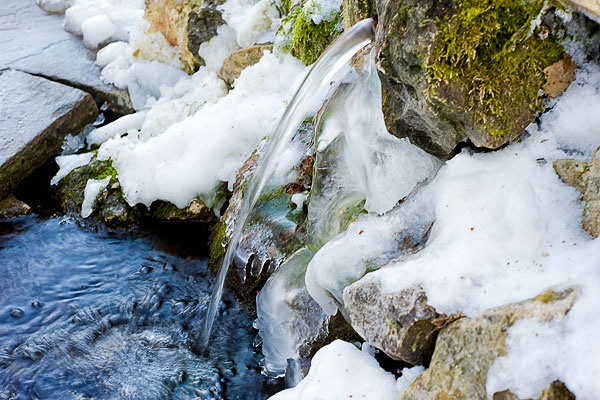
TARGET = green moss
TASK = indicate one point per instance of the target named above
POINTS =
(217, 251)
(308, 40)
(488, 49)
(108, 170)
(549, 296)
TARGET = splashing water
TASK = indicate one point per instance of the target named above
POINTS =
(322, 79)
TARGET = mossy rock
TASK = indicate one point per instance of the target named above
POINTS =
(110, 205)
(457, 69)
(112, 208)
(303, 38)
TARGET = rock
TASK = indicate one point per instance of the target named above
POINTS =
(556, 391)
(273, 232)
(590, 7)
(399, 323)
(195, 211)
(354, 11)
(11, 207)
(585, 177)
(465, 349)
(450, 72)
(35, 42)
(186, 24)
(237, 61)
(110, 206)
(559, 76)
(36, 116)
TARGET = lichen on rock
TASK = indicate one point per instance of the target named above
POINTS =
(465, 349)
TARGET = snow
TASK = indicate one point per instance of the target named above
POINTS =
(68, 163)
(192, 157)
(408, 377)
(100, 21)
(506, 228)
(322, 10)
(122, 125)
(254, 22)
(341, 371)
(55, 6)
(92, 189)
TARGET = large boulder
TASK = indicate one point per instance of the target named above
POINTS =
(37, 114)
(465, 349)
(186, 24)
(459, 69)
(585, 177)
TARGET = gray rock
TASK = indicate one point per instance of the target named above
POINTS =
(185, 23)
(36, 116)
(235, 63)
(585, 177)
(401, 324)
(35, 42)
(12, 207)
(448, 74)
(465, 349)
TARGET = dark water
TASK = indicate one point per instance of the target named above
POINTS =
(94, 315)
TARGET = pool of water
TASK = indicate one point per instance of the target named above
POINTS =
(99, 315)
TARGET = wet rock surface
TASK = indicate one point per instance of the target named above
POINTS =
(585, 177)
(37, 114)
(35, 42)
(465, 349)
(400, 323)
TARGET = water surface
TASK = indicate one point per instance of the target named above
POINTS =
(98, 315)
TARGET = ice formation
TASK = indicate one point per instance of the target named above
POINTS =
(68, 163)
(92, 189)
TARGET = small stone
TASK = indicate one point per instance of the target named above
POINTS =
(559, 76)
(17, 312)
(11, 207)
(237, 61)
(589, 6)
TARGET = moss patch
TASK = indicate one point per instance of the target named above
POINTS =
(490, 60)
(549, 296)
(308, 40)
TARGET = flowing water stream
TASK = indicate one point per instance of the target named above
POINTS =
(322, 80)
(87, 314)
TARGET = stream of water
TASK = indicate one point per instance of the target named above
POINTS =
(87, 314)
(321, 80)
